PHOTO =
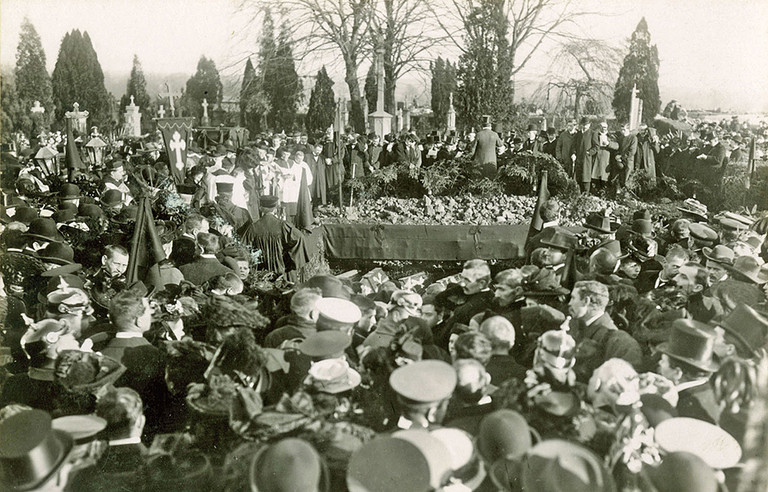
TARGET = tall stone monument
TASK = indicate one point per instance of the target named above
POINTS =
(635, 109)
(79, 119)
(132, 120)
(451, 123)
(205, 120)
(381, 121)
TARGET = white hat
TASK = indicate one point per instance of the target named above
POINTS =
(336, 314)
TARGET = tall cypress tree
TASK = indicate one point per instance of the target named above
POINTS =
(640, 68)
(485, 68)
(33, 83)
(443, 84)
(136, 87)
(205, 84)
(253, 102)
(78, 78)
(322, 103)
(11, 111)
(282, 84)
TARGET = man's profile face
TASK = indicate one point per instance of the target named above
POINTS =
(672, 267)
(686, 280)
(504, 295)
(578, 306)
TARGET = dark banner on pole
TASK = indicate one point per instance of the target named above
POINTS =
(177, 133)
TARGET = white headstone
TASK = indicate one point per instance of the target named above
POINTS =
(132, 120)
(79, 118)
(205, 120)
(161, 111)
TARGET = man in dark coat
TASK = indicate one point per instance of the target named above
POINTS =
(585, 152)
(688, 361)
(275, 238)
(301, 322)
(131, 317)
(625, 157)
(185, 247)
(596, 335)
(206, 266)
(714, 155)
(532, 143)
(486, 142)
(314, 158)
(647, 148)
(236, 216)
(564, 148)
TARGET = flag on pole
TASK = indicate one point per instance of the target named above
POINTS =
(543, 196)
(304, 217)
(176, 133)
(146, 248)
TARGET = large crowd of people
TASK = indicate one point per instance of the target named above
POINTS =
(626, 355)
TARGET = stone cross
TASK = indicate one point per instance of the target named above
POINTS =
(177, 145)
(37, 109)
(132, 103)
(170, 95)
(205, 108)
(161, 111)
(79, 118)
(76, 106)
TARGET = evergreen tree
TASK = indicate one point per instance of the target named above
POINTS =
(322, 104)
(640, 68)
(136, 87)
(443, 85)
(78, 78)
(371, 88)
(33, 83)
(485, 69)
(267, 55)
(11, 111)
(205, 84)
(282, 85)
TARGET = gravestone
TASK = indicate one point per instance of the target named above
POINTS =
(79, 119)
(451, 123)
(381, 121)
(132, 120)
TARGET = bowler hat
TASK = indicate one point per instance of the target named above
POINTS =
(112, 197)
(393, 463)
(288, 465)
(25, 215)
(691, 342)
(64, 216)
(561, 240)
(268, 201)
(69, 191)
(31, 451)
(325, 344)
(644, 227)
(503, 434)
(43, 228)
(584, 120)
(719, 254)
(90, 210)
(58, 253)
(746, 327)
(544, 282)
(126, 215)
(600, 222)
(424, 381)
(555, 464)
(329, 285)
(683, 472)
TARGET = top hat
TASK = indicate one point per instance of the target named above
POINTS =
(486, 119)
(691, 342)
(532, 128)
(584, 120)
(643, 227)
(69, 191)
(31, 451)
(719, 254)
(224, 187)
(600, 222)
(43, 228)
(424, 381)
(747, 327)
(561, 240)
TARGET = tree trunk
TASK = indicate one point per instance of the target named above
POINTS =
(390, 84)
(356, 116)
